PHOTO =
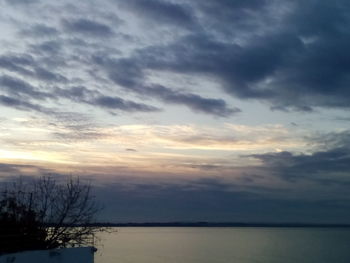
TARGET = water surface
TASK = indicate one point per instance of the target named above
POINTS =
(223, 245)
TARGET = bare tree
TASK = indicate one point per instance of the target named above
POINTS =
(53, 215)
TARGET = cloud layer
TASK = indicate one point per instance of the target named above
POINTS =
(182, 104)
(290, 54)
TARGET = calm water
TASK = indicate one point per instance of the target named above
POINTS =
(225, 245)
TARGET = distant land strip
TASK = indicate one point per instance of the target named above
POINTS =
(219, 224)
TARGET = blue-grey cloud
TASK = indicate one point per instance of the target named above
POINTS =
(76, 93)
(15, 170)
(47, 47)
(26, 65)
(20, 88)
(209, 200)
(292, 54)
(300, 64)
(19, 92)
(81, 94)
(121, 104)
(229, 6)
(48, 76)
(301, 61)
(330, 166)
(216, 107)
(20, 104)
(16, 63)
(88, 27)
(39, 31)
(128, 73)
(21, 2)
(9, 168)
(162, 12)
(139, 200)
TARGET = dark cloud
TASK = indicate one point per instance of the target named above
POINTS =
(130, 150)
(229, 5)
(76, 93)
(162, 12)
(333, 140)
(234, 65)
(88, 27)
(20, 104)
(96, 98)
(233, 18)
(39, 31)
(128, 73)
(128, 199)
(330, 166)
(48, 76)
(210, 200)
(216, 107)
(12, 171)
(16, 63)
(47, 47)
(292, 54)
(21, 2)
(300, 64)
(9, 168)
(9, 172)
(121, 104)
(20, 88)
(26, 65)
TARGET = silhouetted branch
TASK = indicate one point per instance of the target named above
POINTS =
(47, 214)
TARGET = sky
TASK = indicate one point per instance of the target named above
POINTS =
(182, 110)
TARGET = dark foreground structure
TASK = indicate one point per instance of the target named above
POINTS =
(40, 214)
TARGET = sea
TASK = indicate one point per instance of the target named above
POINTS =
(224, 245)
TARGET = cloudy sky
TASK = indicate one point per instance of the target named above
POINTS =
(217, 110)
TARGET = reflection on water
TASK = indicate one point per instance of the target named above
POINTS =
(222, 245)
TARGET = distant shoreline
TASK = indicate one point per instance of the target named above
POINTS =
(223, 224)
